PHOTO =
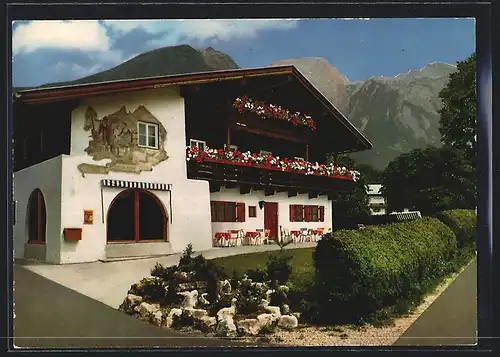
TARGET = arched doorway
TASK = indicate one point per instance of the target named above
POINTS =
(136, 215)
(36, 218)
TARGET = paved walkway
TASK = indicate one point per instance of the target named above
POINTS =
(49, 315)
(451, 319)
(109, 282)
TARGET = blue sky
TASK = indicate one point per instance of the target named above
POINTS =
(53, 51)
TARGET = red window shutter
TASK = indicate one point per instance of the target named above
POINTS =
(240, 211)
(292, 213)
(321, 213)
(303, 213)
(307, 213)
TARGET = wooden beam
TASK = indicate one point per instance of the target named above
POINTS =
(270, 134)
(292, 193)
(313, 194)
(282, 189)
(214, 186)
(245, 189)
(228, 138)
(268, 191)
(230, 185)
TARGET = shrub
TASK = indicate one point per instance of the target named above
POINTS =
(359, 272)
(151, 289)
(257, 275)
(164, 273)
(278, 268)
(185, 261)
(463, 223)
(250, 296)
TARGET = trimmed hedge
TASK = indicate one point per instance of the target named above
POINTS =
(463, 223)
(359, 272)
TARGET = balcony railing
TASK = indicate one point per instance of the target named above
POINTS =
(229, 169)
(270, 162)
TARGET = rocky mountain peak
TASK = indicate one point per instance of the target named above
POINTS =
(326, 78)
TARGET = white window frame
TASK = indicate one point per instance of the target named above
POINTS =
(148, 126)
(196, 142)
(231, 147)
(299, 158)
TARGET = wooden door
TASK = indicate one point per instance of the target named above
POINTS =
(271, 218)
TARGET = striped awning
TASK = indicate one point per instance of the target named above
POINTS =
(136, 184)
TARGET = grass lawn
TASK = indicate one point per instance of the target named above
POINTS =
(302, 264)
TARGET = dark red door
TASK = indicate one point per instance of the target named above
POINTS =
(271, 218)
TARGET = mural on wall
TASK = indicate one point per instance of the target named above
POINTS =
(115, 138)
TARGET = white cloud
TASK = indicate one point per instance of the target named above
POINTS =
(200, 29)
(87, 35)
(76, 70)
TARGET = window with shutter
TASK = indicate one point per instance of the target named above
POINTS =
(307, 213)
(292, 213)
(240, 208)
(321, 213)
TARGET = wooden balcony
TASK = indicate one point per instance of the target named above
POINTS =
(246, 178)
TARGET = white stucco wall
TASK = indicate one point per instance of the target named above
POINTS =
(190, 203)
(46, 176)
(253, 198)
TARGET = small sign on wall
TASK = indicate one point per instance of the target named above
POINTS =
(88, 216)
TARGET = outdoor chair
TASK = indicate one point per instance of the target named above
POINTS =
(252, 238)
(295, 236)
(285, 235)
(305, 235)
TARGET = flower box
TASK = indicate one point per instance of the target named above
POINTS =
(269, 162)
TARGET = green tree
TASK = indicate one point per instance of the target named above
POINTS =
(370, 174)
(350, 207)
(458, 114)
(430, 180)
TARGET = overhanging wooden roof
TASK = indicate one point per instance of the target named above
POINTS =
(72, 92)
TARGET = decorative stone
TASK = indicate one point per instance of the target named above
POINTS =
(224, 287)
(203, 299)
(283, 288)
(147, 310)
(207, 323)
(225, 312)
(275, 310)
(130, 304)
(157, 318)
(288, 322)
(226, 327)
(190, 298)
(249, 326)
(192, 286)
(266, 319)
(195, 313)
(170, 317)
(285, 309)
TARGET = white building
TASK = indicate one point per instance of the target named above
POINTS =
(101, 169)
(375, 200)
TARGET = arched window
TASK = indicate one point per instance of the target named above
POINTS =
(136, 215)
(36, 218)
